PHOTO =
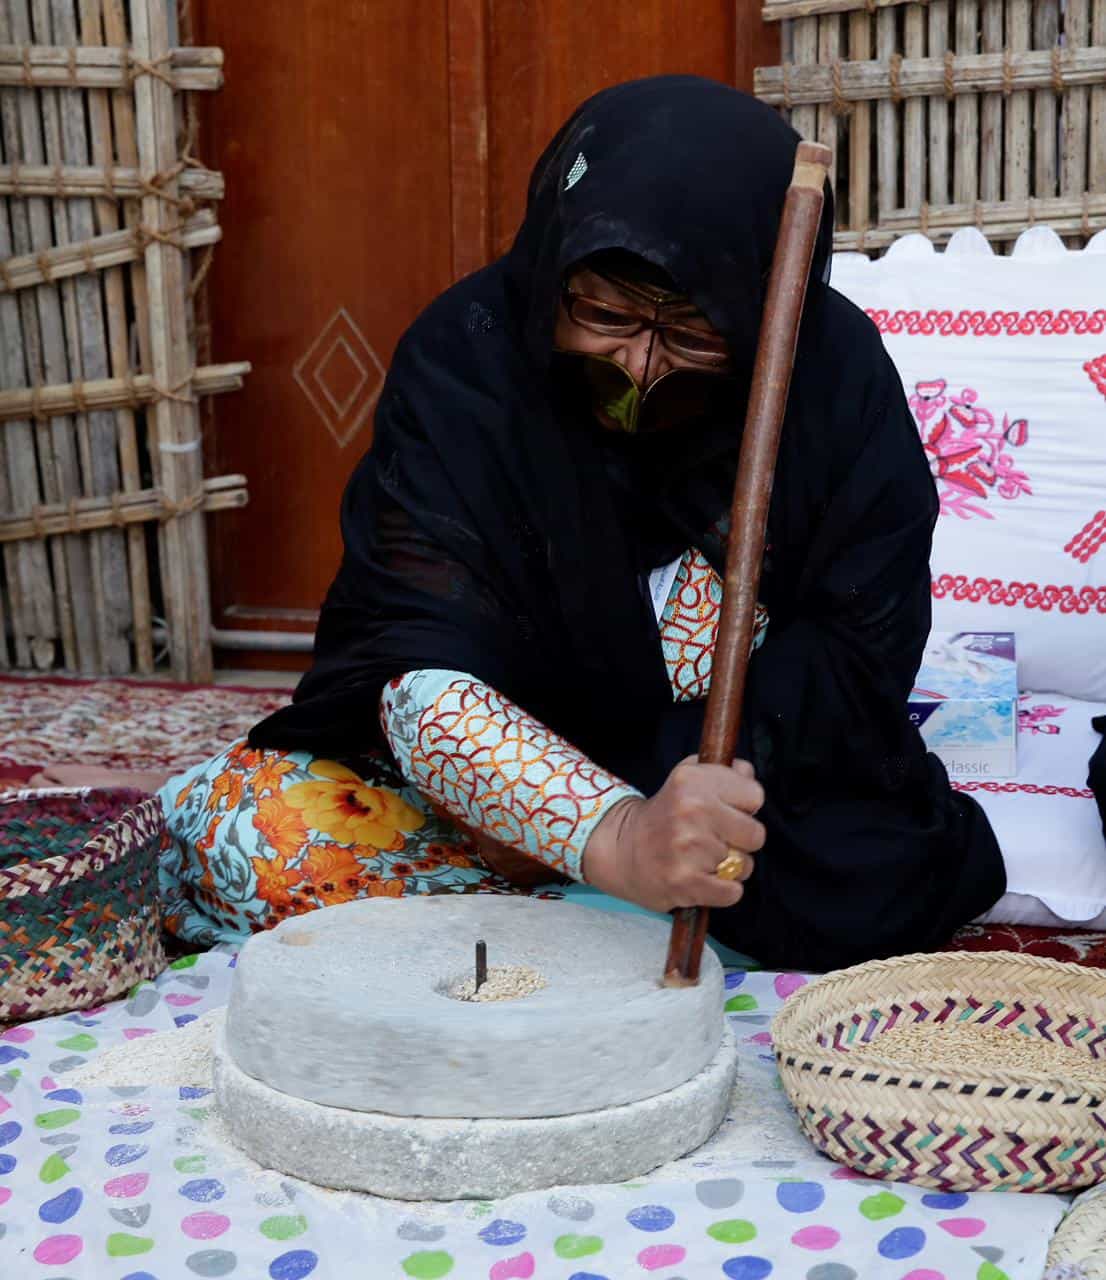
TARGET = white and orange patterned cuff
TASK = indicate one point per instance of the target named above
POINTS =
(689, 627)
(497, 769)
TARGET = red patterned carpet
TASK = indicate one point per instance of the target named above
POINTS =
(120, 724)
(1076, 946)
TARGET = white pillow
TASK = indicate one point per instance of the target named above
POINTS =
(1004, 362)
(1046, 820)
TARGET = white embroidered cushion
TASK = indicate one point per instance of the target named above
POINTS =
(1004, 364)
(1046, 820)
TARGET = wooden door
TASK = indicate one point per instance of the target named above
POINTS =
(375, 150)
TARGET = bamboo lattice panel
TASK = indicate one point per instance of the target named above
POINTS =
(103, 206)
(950, 113)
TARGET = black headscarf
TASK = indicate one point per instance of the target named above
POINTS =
(493, 528)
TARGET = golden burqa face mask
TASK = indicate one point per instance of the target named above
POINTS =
(677, 394)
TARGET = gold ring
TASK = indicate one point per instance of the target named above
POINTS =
(731, 866)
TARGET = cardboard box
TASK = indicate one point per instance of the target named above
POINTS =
(965, 702)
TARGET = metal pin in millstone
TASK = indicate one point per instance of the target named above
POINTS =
(481, 965)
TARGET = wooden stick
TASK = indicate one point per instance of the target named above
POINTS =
(965, 158)
(109, 214)
(113, 393)
(778, 10)
(920, 77)
(1001, 220)
(1096, 173)
(183, 542)
(79, 515)
(888, 121)
(860, 130)
(40, 66)
(44, 343)
(991, 109)
(1073, 108)
(1016, 144)
(938, 107)
(112, 250)
(88, 359)
(15, 597)
(86, 590)
(829, 50)
(13, 569)
(101, 179)
(1046, 35)
(779, 333)
(913, 114)
(26, 568)
(116, 33)
(804, 41)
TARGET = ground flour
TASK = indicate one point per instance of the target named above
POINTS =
(178, 1057)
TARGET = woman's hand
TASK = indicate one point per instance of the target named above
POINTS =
(663, 852)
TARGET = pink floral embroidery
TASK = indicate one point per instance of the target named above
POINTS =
(1035, 719)
(968, 449)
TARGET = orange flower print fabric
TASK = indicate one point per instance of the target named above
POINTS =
(254, 837)
(345, 807)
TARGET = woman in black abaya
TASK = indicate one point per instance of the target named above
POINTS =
(525, 610)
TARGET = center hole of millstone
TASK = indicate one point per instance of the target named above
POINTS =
(504, 982)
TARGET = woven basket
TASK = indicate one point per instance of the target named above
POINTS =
(79, 915)
(1078, 1249)
(961, 1129)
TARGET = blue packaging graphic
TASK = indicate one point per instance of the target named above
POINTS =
(965, 703)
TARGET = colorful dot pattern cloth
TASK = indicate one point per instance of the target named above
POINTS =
(100, 1183)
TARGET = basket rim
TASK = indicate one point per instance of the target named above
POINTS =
(860, 1061)
(57, 862)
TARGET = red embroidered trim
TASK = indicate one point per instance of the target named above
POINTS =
(1027, 594)
(1096, 370)
(1028, 788)
(1088, 540)
(984, 324)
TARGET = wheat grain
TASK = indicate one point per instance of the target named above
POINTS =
(967, 1047)
(504, 982)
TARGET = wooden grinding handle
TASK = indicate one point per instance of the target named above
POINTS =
(779, 333)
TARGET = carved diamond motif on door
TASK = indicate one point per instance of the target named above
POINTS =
(341, 375)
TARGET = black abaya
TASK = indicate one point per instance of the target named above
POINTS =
(493, 528)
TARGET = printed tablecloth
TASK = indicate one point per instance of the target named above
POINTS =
(101, 1183)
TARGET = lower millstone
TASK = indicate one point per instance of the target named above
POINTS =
(435, 1158)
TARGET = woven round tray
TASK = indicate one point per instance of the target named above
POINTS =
(889, 1113)
(1078, 1249)
(79, 915)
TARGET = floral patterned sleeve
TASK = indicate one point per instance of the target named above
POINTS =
(494, 767)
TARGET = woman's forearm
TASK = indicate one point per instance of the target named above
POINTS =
(494, 767)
